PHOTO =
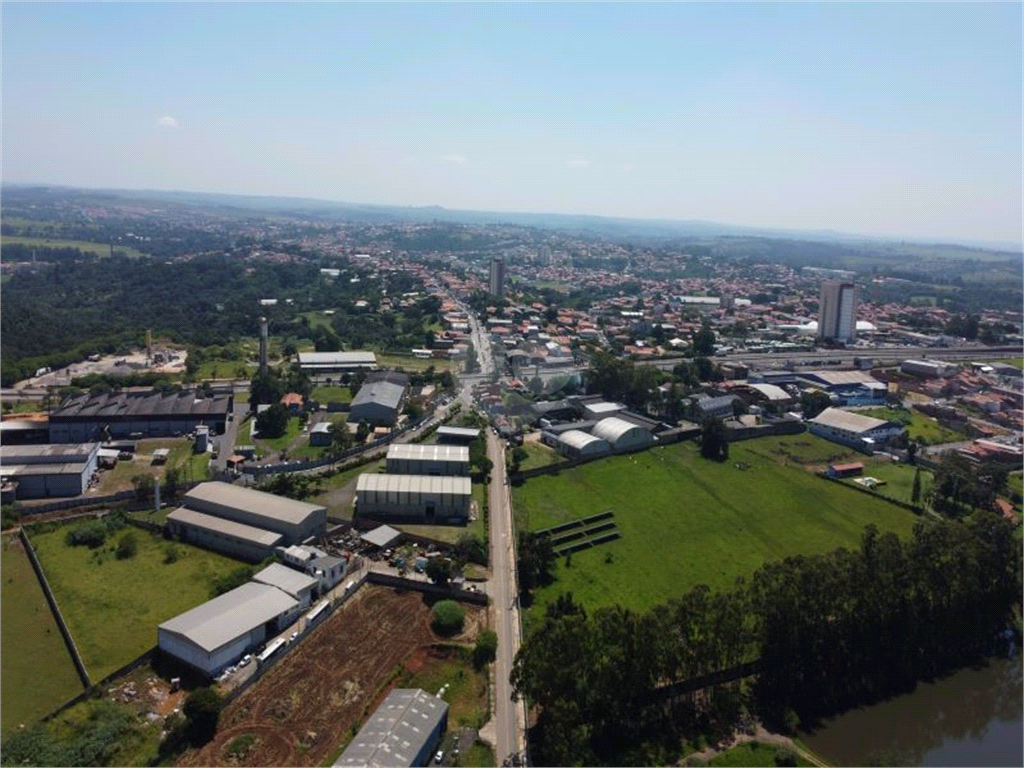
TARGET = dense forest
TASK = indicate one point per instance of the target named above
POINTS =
(827, 633)
(60, 313)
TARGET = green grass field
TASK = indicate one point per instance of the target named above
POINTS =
(538, 455)
(113, 607)
(685, 520)
(1016, 362)
(332, 394)
(38, 675)
(410, 363)
(919, 427)
(479, 755)
(467, 689)
(100, 249)
(751, 753)
(899, 480)
(282, 442)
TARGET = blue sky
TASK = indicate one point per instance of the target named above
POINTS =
(897, 119)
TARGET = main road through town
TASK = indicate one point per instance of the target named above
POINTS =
(509, 715)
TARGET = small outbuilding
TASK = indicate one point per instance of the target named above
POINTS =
(382, 537)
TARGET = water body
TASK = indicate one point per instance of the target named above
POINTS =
(972, 717)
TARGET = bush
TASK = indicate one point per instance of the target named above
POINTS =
(170, 554)
(202, 711)
(447, 618)
(785, 756)
(230, 581)
(128, 546)
(91, 534)
(486, 648)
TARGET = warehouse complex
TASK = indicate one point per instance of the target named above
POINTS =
(422, 459)
(215, 634)
(109, 415)
(243, 522)
(41, 471)
(416, 498)
(403, 731)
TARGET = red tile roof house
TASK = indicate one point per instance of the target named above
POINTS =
(292, 401)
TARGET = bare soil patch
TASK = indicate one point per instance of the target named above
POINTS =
(303, 708)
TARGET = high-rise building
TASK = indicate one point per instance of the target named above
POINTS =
(837, 314)
(497, 276)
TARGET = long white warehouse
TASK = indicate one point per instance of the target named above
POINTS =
(413, 459)
(215, 634)
(418, 498)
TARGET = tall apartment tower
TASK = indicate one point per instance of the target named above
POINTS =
(497, 276)
(837, 314)
(263, 346)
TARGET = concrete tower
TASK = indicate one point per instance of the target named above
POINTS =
(497, 276)
(263, 346)
(837, 313)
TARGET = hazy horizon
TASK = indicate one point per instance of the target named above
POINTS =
(894, 121)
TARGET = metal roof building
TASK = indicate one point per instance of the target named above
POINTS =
(853, 429)
(377, 403)
(296, 521)
(41, 471)
(574, 443)
(422, 459)
(336, 362)
(413, 497)
(216, 633)
(290, 581)
(381, 537)
(457, 434)
(403, 731)
(239, 539)
(151, 414)
(622, 435)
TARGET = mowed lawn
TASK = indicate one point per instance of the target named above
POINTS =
(38, 675)
(113, 607)
(685, 520)
(919, 426)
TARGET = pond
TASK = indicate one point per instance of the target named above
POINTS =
(972, 717)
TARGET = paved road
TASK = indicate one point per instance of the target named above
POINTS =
(504, 602)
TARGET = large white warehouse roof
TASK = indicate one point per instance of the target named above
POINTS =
(372, 481)
(846, 420)
(613, 429)
(231, 615)
(256, 502)
(419, 452)
(580, 440)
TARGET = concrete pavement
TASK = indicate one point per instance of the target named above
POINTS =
(509, 716)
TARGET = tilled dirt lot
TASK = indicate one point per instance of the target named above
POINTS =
(301, 710)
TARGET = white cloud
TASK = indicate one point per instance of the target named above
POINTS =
(579, 163)
(455, 159)
(167, 122)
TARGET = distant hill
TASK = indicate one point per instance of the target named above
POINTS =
(599, 226)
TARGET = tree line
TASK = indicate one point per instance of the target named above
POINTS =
(831, 631)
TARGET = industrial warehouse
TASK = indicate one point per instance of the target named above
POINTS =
(419, 498)
(377, 403)
(109, 415)
(401, 732)
(421, 459)
(39, 471)
(243, 522)
(853, 429)
(337, 362)
(215, 634)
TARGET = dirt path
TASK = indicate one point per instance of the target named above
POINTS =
(760, 735)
